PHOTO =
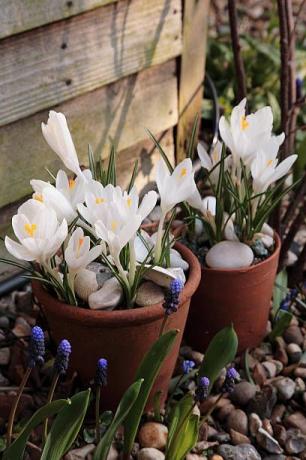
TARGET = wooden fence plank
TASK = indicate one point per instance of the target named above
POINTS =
(145, 153)
(121, 111)
(20, 15)
(49, 65)
(192, 69)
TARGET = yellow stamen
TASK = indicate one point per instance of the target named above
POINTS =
(38, 197)
(215, 156)
(100, 200)
(71, 183)
(183, 172)
(269, 163)
(129, 202)
(30, 229)
(114, 225)
(244, 123)
(81, 242)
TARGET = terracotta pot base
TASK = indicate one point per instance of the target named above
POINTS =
(238, 296)
(121, 336)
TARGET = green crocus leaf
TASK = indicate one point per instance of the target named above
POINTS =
(280, 289)
(66, 427)
(148, 370)
(220, 352)
(123, 409)
(16, 449)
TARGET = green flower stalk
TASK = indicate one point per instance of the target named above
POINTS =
(59, 369)
(100, 381)
(36, 356)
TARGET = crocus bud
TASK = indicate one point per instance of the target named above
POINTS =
(171, 301)
(37, 347)
(187, 366)
(62, 357)
(101, 374)
(230, 379)
(202, 389)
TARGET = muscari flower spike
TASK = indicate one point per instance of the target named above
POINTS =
(101, 374)
(187, 366)
(37, 347)
(171, 301)
(201, 392)
(230, 379)
(62, 357)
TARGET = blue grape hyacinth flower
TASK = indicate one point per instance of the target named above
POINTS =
(187, 366)
(201, 392)
(171, 301)
(62, 357)
(232, 376)
(101, 373)
(37, 347)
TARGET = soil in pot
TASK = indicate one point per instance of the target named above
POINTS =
(121, 336)
(239, 296)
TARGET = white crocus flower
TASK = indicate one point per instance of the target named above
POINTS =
(173, 189)
(245, 134)
(64, 197)
(57, 135)
(266, 169)
(209, 162)
(39, 233)
(78, 254)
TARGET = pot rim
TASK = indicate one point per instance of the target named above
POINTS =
(118, 318)
(265, 262)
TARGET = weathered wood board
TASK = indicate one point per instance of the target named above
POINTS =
(192, 70)
(147, 158)
(51, 64)
(20, 15)
(121, 111)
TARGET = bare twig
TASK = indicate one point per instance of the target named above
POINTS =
(294, 202)
(297, 17)
(284, 50)
(297, 222)
(239, 67)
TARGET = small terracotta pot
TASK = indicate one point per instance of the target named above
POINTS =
(121, 336)
(239, 296)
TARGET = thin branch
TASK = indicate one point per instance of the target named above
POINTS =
(239, 67)
(294, 203)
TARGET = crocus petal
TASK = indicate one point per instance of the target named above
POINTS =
(204, 157)
(17, 250)
(147, 204)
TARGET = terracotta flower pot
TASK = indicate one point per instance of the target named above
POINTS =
(121, 336)
(238, 296)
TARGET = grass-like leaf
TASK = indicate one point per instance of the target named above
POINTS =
(66, 427)
(123, 409)
(16, 449)
(148, 370)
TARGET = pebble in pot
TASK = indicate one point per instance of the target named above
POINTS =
(108, 297)
(149, 294)
(85, 284)
(229, 254)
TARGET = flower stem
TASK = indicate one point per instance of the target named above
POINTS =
(158, 246)
(179, 381)
(97, 413)
(132, 270)
(163, 326)
(49, 399)
(211, 409)
(14, 406)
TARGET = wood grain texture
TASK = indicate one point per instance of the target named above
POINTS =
(21, 15)
(147, 158)
(121, 111)
(192, 70)
(52, 64)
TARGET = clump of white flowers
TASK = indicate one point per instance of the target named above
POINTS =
(67, 225)
(243, 181)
